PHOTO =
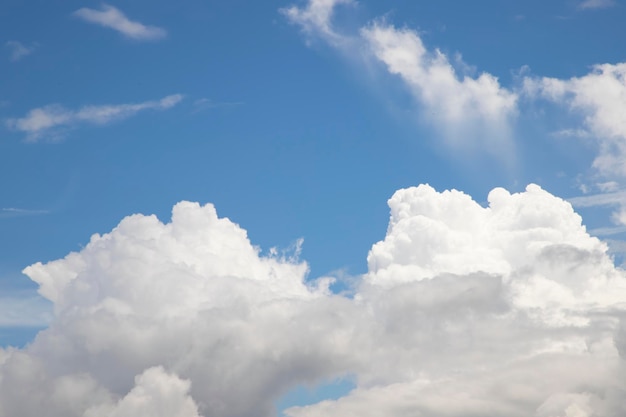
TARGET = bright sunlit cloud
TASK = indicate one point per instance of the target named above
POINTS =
(502, 303)
(511, 309)
(462, 107)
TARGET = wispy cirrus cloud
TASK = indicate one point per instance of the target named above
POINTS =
(605, 199)
(596, 4)
(24, 309)
(15, 212)
(316, 18)
(113, 18)
(18, 50)
(45, 121)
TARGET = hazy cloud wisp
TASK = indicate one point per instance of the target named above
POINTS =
(19, 50)
(596, 4)
(41, 122)
(113, 18)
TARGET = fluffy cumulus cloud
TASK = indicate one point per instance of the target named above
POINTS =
(185, 313)
(112, 18)
(509, 309)
(48, 121)
(451, 100)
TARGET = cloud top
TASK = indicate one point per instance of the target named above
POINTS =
(112, 18)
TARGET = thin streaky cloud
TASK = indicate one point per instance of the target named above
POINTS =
(14, 211)
(19, 50)
(607, 231)
(42, 121)
(24, 309)
(202, 104)
(113, 18)
(596, 4)
(606, 199)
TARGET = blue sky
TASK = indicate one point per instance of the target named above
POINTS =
(296, 120)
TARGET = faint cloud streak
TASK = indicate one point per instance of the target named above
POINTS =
(15, 212)
(596, 4)
(43, 121)
(19, 50)
(113, 18)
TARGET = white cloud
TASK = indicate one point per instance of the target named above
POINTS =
(600, 97)
(193, 297)
(470, 113)
(44, 121)
(596, 4)
(316, 18)
(19, 50)
(113, 18)
(466, 109)
(508, 310)
(511, 309)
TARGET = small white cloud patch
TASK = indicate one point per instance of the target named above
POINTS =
(113, 18)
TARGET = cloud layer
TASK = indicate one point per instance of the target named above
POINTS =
(510, 309)
(113, 18)
(46, 121)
